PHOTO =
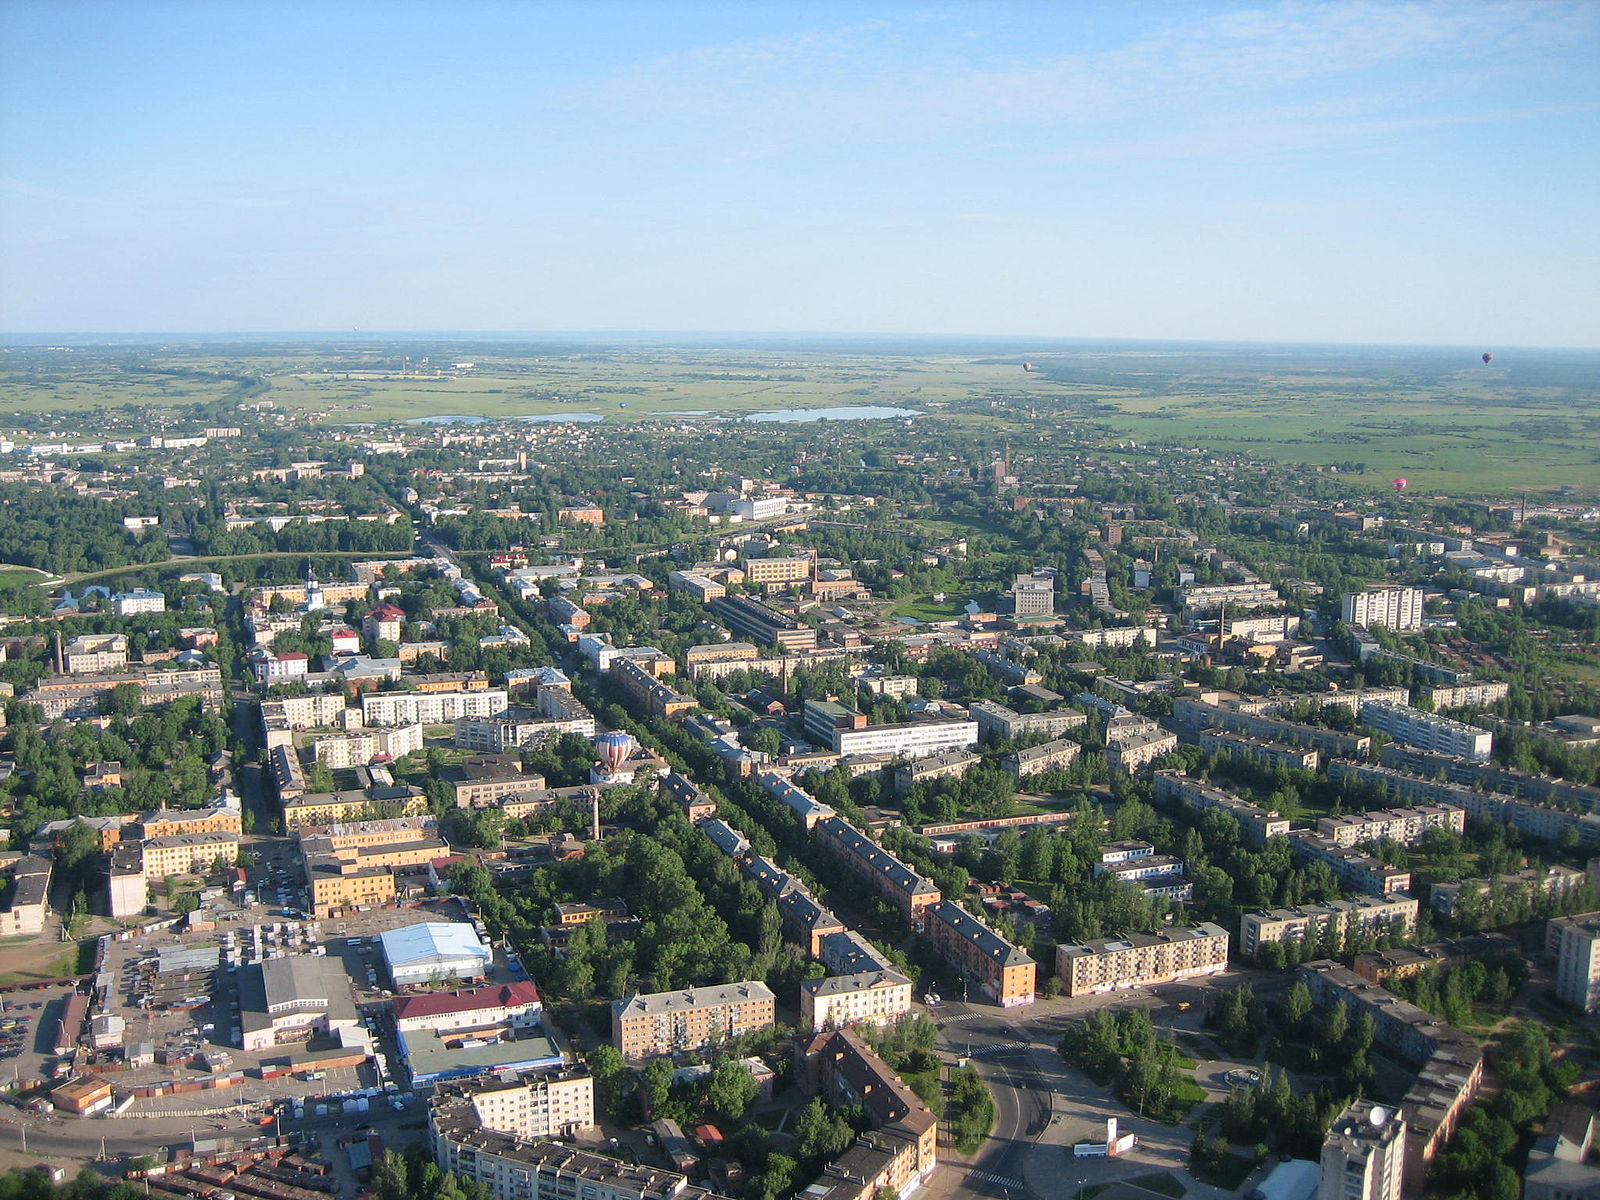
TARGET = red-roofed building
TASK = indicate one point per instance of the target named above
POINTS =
(275, 668)
(383, 624)
(516, 1004)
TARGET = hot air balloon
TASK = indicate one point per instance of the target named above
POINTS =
(613, 749)
(1487, 357)
(1399, 485)
(1027, 366)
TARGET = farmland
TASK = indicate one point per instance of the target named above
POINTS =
(1440, 417)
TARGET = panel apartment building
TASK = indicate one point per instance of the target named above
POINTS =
(1388, 607)
(1414, 727)
(430, 708)
(1139, 959)
(1256, 824)
(1310, 924)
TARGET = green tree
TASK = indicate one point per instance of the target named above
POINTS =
(731, 1089)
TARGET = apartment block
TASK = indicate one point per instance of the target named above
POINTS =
(1003, 972)
(1196, 714)
(1256, 824)
(655, 697)
(1476, 694)
(1129, 752)
(1374, 916)
(1274, 755)
(876, 996)
(1552, 882)
(430, 708)
(897, 883)
(688, 1019)
(1139, 959)
(511, 1168)
(542, 1104)
(1046, 756)
(996, 720)
(1387, 607)
(359, 747)
(186, 853)
(1403, 825)
(950, 765)
(1543, 820)
(1576, 940)
(1442, 735)
(1355, 870)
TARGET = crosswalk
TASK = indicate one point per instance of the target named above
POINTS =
(970, 1016)
(1004, 1181)
(1003, 1048)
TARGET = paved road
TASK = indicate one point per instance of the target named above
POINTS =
(1043, 1107)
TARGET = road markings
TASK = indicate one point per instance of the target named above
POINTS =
(991, 1177)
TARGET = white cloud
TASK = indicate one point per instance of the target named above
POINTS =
(895, 81)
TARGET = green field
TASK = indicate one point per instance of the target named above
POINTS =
(1442, 419)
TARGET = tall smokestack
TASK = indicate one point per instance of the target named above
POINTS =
(61, 668)
(594, 814)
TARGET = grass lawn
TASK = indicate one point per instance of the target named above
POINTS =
(925, 608)
(1229, 1174)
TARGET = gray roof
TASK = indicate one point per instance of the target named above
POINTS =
(685, 998)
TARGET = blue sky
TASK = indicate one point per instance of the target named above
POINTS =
(1414, 173)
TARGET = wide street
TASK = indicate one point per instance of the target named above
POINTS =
(1044, 1107)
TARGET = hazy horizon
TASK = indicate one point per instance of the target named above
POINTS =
(1410, 174)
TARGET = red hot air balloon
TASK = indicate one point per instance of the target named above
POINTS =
(1487, 357)
(613, 749)
(1027, 366)
(1399, 485)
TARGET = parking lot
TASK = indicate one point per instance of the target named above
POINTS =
(27, 1048)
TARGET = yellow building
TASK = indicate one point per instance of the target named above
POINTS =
(187, 853)
(322, 808)
(336, 885)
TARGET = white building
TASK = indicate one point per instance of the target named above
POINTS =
(1364, 1154)
(430, 708)
(1576, 941)
(434, 952)
(140, 600)
(1427, 730)
(1388, 607)
(911, 739)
